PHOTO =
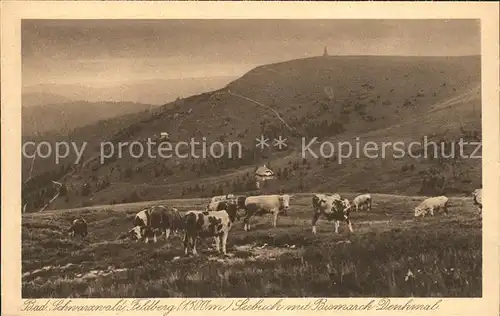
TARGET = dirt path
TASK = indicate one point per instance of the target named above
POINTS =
(467, 96)
(264, 106)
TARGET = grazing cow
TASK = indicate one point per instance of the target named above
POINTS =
(477, 197)
(78, 227)
(205, 224)
(363, 201)
(263, 204)
(332, 207)
(431, 204)
(154, 221)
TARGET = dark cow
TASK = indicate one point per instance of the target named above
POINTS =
(78, 227)
(155, 220)
(339, 211)
(205, 224)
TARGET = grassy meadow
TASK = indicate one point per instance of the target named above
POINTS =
(390, 253)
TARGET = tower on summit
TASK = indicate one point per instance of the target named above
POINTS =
(325, 51)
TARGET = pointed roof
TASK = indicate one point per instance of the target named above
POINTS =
(264, 171)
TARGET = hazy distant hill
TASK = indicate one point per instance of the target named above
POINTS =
(333, 98)
(62, 118)
(155, 91)
(41, 98)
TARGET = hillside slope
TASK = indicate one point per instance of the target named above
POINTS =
(332, 98)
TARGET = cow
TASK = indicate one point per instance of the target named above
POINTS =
(263, 204)
(431, 204)
(154, 221)
(78, 227)
(477, 197)
(332, 207)
(203, 224)
(362, 201)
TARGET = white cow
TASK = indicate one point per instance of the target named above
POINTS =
(332, 207)
(264, 204)
(477, 197)
(431, 204)
(363, 201)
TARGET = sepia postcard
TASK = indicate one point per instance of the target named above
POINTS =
(181, 158)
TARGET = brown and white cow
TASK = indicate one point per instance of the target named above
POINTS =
(333, 208)
(153, 221)
(322, 202)
(78, 227)
(265, 204)
(203, 224)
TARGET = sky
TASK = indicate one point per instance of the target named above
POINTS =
(108, 52)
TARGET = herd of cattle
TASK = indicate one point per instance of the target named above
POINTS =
(222, 212)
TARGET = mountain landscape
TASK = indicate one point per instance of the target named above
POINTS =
(329, 158)
(333, 98)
